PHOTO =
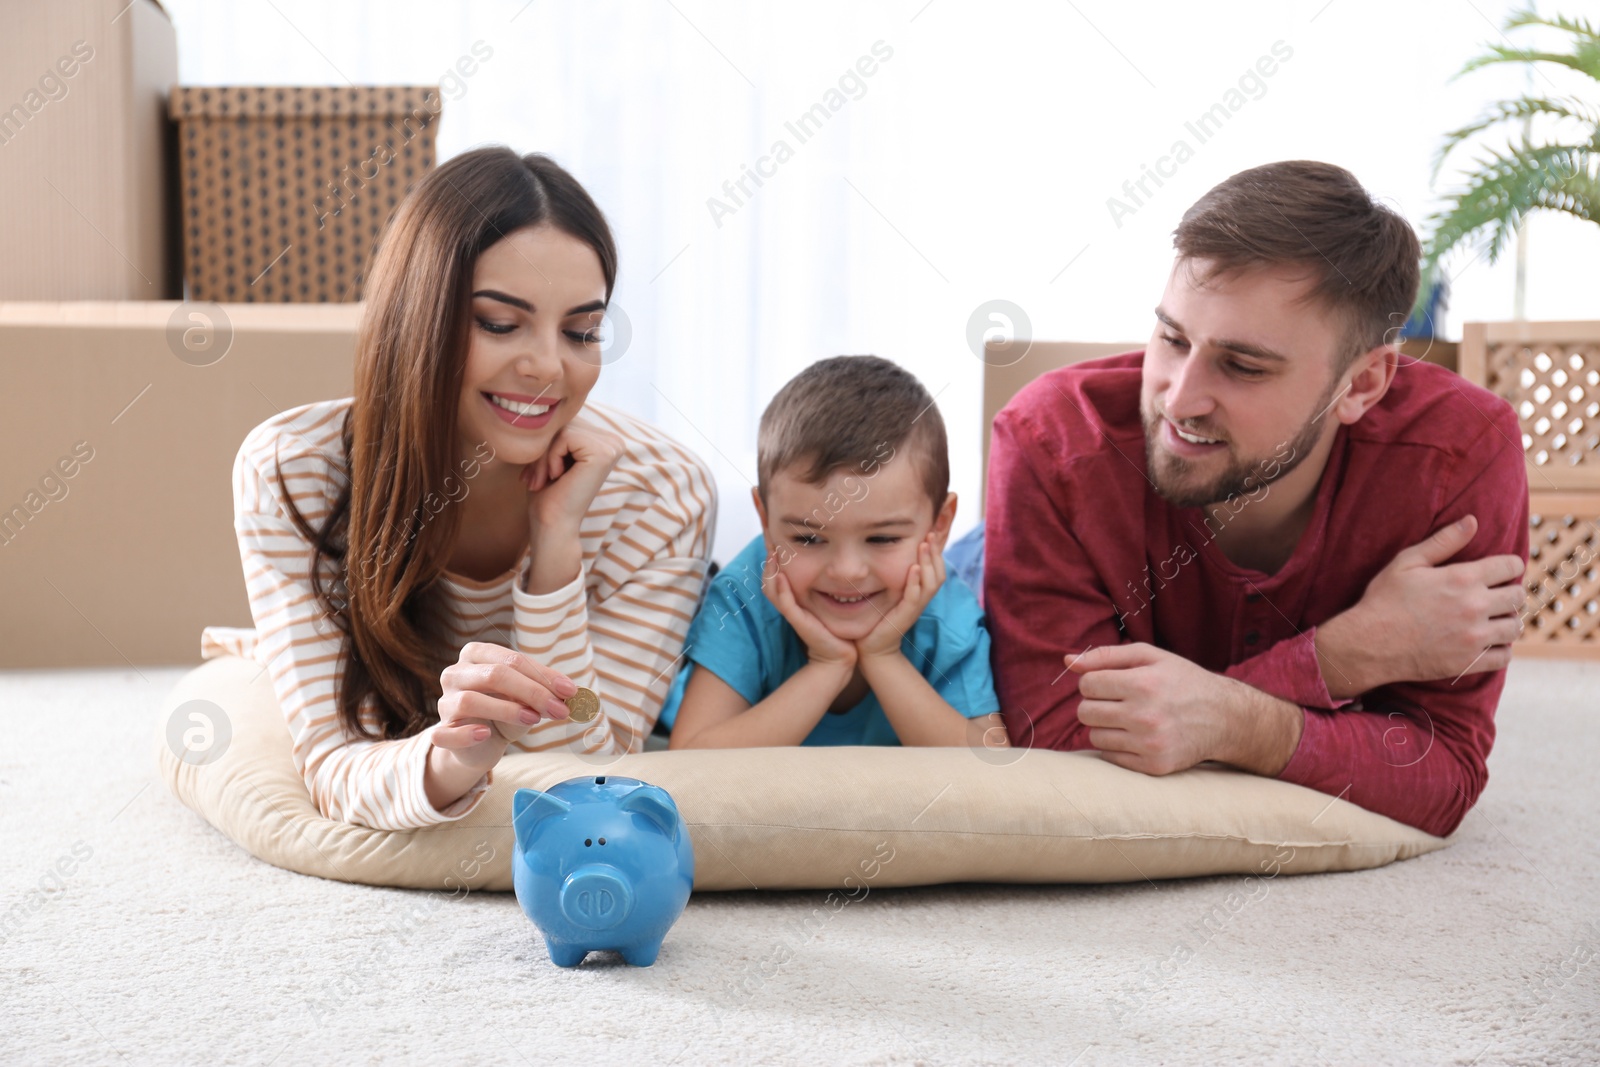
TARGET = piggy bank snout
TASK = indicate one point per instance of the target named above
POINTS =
(596, 897)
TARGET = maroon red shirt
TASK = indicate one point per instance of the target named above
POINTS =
(1081, 551)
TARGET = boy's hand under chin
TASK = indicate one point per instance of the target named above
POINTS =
(821, 645)
(923, 580)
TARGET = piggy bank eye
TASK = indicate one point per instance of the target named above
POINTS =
(587, 842)
(602, 840)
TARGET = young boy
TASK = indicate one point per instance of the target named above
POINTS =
(838, 626)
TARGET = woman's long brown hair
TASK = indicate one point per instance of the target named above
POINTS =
(378, 557)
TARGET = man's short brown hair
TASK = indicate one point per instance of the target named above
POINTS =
(1363, 257)
(852, 411)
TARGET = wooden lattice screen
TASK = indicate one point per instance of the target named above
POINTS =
(1550, 372)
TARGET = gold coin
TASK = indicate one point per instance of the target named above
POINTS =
(583, 705)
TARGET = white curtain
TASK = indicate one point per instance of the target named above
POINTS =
(977, 160)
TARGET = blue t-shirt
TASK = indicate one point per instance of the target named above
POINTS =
(740, 636)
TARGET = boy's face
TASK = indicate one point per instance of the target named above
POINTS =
(847, 544)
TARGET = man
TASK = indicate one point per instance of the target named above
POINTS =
(1267, 540)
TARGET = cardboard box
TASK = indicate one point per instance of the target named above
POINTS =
(286, 190)
(84, 152)
(118, 446)
(1431, 350)
(1009, 365)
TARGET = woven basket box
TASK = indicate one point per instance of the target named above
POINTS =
(285, 190)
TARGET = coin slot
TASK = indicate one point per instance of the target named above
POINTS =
(600, 781)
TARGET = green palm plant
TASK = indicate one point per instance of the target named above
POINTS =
(1505, 185)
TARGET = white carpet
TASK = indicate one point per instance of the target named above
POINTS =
(162, 942)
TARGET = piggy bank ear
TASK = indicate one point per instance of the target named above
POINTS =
(654, 804)
(528, 806)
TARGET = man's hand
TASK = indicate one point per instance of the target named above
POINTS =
(1153, 711)
(1421, 619)
(923, 579)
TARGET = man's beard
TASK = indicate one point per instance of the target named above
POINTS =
(1169, 474)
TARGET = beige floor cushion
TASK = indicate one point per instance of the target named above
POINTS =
(790, 818)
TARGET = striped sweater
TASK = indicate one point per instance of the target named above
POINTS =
(617, 628)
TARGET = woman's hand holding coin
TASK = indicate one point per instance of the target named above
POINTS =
(492, 695)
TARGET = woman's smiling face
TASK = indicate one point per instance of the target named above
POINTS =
(538, 295)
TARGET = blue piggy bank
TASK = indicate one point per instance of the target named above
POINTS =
(601, 863)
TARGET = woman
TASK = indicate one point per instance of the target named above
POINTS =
(435, 563)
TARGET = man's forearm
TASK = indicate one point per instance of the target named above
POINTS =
(1265, 731)
(1345, 654)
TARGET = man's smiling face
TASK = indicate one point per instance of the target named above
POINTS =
(1238, 378)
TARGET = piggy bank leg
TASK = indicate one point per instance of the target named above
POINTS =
(643, 954)
(565, 955)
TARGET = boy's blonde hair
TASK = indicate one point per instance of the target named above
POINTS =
(852, 411)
